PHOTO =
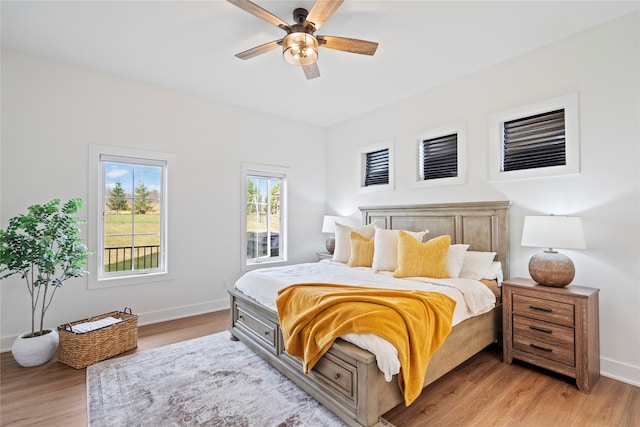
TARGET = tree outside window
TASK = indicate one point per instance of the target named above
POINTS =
(264, 217)
(132, 237)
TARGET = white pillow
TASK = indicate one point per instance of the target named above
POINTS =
(342, 251)
(455, 259)
(476, 264)
(385, 248)
(494, 272)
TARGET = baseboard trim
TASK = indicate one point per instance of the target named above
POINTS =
(174, 313)
(152, 317)
(620, 371)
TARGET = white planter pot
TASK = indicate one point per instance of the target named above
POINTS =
(35, 351)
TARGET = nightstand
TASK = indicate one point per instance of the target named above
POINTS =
(554, 328)
(323, 255)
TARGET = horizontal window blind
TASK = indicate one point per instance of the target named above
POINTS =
(377, 168)
(439, 157)
(534, 142)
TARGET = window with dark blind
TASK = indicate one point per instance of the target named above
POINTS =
(439, 157)
(377, 168)
(536, 141)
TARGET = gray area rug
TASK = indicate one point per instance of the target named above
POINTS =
(207, 381)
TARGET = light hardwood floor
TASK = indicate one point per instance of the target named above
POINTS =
(481, 392)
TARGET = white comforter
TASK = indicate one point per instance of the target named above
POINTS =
(472, 296)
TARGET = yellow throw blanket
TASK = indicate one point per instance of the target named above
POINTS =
(312, 316)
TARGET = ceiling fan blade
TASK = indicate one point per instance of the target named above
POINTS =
(311, 71)
(321, 11)
(345, 44)
(259, 12)
(259, 50)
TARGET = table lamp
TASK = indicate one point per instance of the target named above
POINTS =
(550, 268)
(329, 226)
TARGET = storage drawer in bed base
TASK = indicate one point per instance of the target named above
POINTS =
(347, 380)
(333, 375)
(261, 327)
(335, 380)
(336, 376)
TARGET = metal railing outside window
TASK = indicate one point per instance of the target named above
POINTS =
(127, 258)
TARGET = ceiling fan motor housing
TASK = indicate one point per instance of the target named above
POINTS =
(299, 15)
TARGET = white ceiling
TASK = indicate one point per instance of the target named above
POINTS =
(190, 46)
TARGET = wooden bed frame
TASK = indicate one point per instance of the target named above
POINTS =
(347, 380)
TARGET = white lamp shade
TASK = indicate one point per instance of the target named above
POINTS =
(553, 231)
(329, 223)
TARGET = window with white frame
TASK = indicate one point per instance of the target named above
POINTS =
(376, 167)
(130, 204)
(536, 140)
(264, 216)
(442, 156)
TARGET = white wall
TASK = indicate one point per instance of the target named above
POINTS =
(51, 113)
(602, 65)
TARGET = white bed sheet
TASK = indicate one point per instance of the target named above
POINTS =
(472, 296)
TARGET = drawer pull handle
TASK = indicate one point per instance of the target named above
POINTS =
(241, 317)
(536, 328)
(266, 333)
(336, 376)
(549, 350)
(546, 310)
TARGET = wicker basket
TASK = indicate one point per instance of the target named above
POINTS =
(80, 350)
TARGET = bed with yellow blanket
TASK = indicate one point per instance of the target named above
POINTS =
(361, 340)
(313, 316)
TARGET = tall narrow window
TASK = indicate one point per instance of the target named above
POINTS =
(264, 216)
(130, 203)
(439, 157)
(132, 220)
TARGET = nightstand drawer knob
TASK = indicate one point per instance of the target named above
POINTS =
(546, 310)
(539, 329)
(537, 347)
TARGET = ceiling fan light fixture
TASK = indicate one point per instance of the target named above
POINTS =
(300, 49)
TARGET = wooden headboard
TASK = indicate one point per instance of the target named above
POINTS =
(482, 225)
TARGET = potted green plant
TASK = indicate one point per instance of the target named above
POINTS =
(43, 247)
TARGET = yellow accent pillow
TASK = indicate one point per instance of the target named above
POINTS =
(417, 259)
(361, 250)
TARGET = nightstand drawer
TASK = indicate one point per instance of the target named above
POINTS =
(543, 309)
(552, 342)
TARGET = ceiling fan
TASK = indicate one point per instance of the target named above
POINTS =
(300, 45)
